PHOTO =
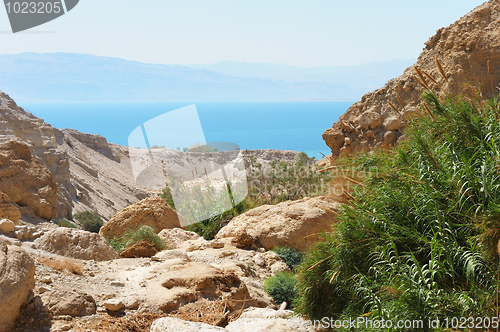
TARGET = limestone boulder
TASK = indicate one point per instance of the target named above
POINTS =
(17, 279)
(26, 181)
(369, 120)
(269, 320)
(193, 281)
(170, 324)
(139, 249)
(178, 237)
(154, 212)
(75, 303)
(6, 226)
(76, 244)
(297, 224)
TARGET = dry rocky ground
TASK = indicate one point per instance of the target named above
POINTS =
(75, 281)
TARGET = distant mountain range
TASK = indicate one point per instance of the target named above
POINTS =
(34, 77)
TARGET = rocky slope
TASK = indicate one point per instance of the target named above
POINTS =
(90, 173)
(463, 50)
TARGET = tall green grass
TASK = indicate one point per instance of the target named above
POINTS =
(143, 233)
(419, 239)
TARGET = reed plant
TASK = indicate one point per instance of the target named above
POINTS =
(418, 240)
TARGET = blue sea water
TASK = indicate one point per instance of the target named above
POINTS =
(252, 125)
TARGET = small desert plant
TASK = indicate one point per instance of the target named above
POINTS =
(143, 233)
(290, 256)
(282, 287)
(63, 222)
(90, 221)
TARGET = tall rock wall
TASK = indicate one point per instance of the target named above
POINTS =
(91, 175)
(463, 50)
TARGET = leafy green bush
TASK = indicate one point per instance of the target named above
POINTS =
(143, 233)
(90, 221)
(418, 240)
(282, 287)
(290, 256)
(63, 222)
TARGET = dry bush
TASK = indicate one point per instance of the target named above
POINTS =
(218, 312)
(68, 265)
(132, 322)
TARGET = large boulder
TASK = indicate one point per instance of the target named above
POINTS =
(76, 244)
(17, 279)
(154, 212)
(269, 320)
(176, 237)
(26, 181)
(7, 226)
(76, 303)
(193, 281)
(296, 224)
(170, 324)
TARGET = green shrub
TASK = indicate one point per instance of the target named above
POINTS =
(90, 221)
(143, 233)
(418, 239)
(282, 287)
(63, 222)
(290, 256)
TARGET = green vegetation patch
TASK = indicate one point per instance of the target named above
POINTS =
(89, 221)
(282, 287)
(290, 256)
(143, 233)
(418, 240)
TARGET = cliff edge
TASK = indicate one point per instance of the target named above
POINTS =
(468, 52)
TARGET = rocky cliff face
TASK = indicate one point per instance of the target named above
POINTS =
(463, 49)
(90, 173)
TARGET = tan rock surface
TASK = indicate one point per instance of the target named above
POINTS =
(8, 210)
(17, 279)
(6, 226)
(90, 173)
(26, 181)
(76, 244)
(269, 320)
(139, 249)
(177, 237)
(463, 49)
(71, 303)
(170, 324)
(296, 224)
(154, 212)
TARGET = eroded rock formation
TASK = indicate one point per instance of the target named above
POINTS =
(463, 49)
(90, 173)
(295, 224)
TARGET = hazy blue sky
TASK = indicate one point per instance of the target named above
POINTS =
(302, 33)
